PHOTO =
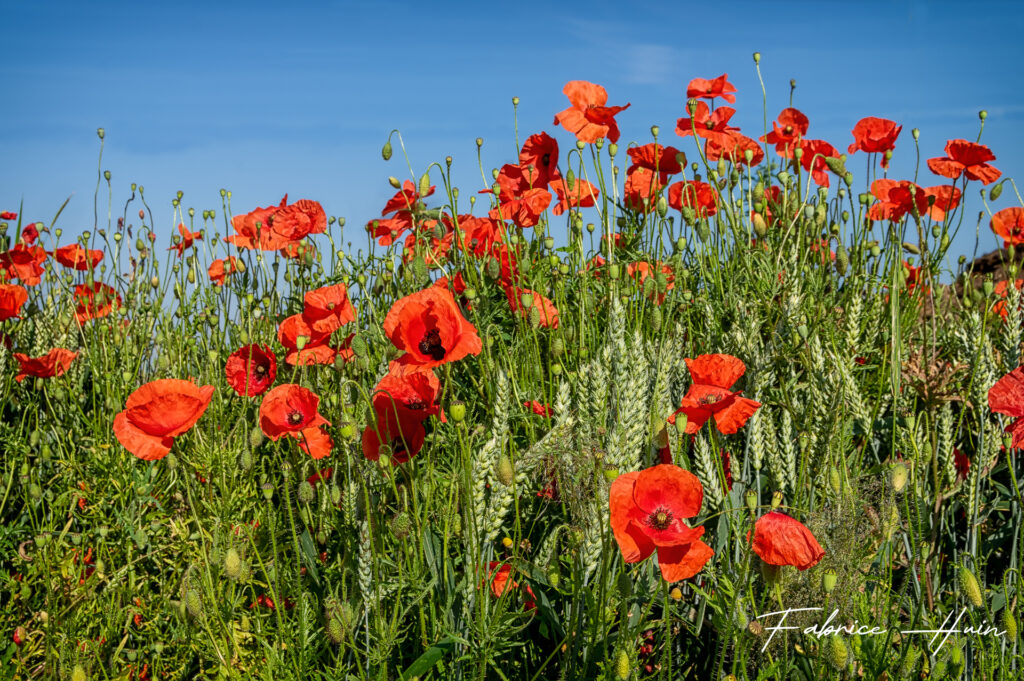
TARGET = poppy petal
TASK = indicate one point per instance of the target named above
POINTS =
(733, 417)
(634, 547)
(717, 370)
(143, 445)
(683, 561)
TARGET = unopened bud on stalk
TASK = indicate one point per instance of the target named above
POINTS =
(193, 603)
(835, 652)
(622, 666)
(842, 260)
(306, 492)
(232, 564)
(393, 181)
(995, 192)
(983, 114)
(757, 57)
(969, 587)
(505, 470)
(424, 184)
(78, 673)
(828, 580)
(760, 227)
(1009, 624)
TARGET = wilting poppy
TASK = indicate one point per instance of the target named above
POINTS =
(251, 369)
(896, 199)
(548, 311)
(24, 263)
(12, 297)
(947, 198)
(787, 132)
(709, 395)
(709, 89)
(538, 408)
(328, 308)
(78, 258)
(875, 135)
(1009, 225)
(782, 540)
(706, 123)
(314, 343)
(576, 194)
(1007, 397)
(289, 409)
(813, 160)
(538, 159)
(158, 412)
(430, 328)
(221, 268)
(588, 118)
(663, 160)
(963, 157)
(188, 238)
(700, 196)
(95, 302)
(499, 574)
(54, 363)
(648, 509)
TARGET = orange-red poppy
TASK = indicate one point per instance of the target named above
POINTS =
(405, 199)
(1007, 397)
(158, 412)
(787, 132)
(95, 302)
(12, 297)
(328, 308)
(431, 330)
(699, 196)
(710, 395)
(24, 263)
(1000, 290)
(54, 363)
(577, 194)
(912, 277)
(188, 238)
(525, 211)
(479, 234)
(315, 349)
(499, 575)
(538, 159)
(782, 540)
(289, 409)
(966, 158)
(1009, 225)
(588, 118)
(251, 369)
(947, 199)
(734, 147)
(314, 441)
(640, 190)
(220, 269)
(702, 88)
(875, 135)
(539, 408)
(813, 160)
(274, 227)
(896, 199)
(402, 401)
(641, 271)
(663, 160)
(707, 124)
(386, 232)
(648, 509)
(546, 308)
(30, 232)
(8, 215)
(77, 258)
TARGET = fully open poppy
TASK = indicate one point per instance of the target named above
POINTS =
(24, 263)
(251, 369)
(640, 190)
(188, 238)
(963, 157)
(54, 363)
(314, 441)
(328, 308)
(576, 194)
(663, 160)
(1009, 225)
(947, 198)
(709, 395)
(706, 123)
(274, 227)
(430, 328)
(734, 147)
(896, 199)
(538, 159)
(220, 269)
(787, 131)
(700, 196)
(709, 89)
(782, 540)
(289, 409)
(158, 412)
(1007, 397)
(315, 349)
(539, 408)
(95, 302)
(524, 211)
(588, 118)
(648, 509)
(813, 160)
(875, 135)
(12, 297)
(78, 258)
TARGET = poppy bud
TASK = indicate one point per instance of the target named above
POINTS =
(386, 151)
(662, 206)
(656, 319)
(760, 227)
(78, 673)
(19, 636)
(983, 114)
(622, 666)
(613, 271)
(424, 184)
(898, 477)
(193, 603)
(535, 317)
(393, 181)
(842, 260)
(777, 498)
(505, 470)
(232, 564)
(401, 525)
(703, 232)
(828, 580)
(757, 57)
(969, 587)
(836, 165)
(995, 192)
(306, 492)
(335, 630)
(835, 652)
(1009, 623)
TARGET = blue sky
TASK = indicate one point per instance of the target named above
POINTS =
(264, 98)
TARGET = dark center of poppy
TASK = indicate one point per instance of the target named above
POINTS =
(709, 90)
(710, 399)
(546, 159)
(660, 519)
(416, 406)
(789, 130)
(709, 125)
(431, 345)
(330, 306)
(295, 418)
(260, 371)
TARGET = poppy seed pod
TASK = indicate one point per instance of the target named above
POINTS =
(828, 580)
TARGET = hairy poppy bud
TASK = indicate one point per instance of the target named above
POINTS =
(898, 477)
(969, 587)
(828, 580)
(232, 564)
(19, 636)
(662, 206)
(401, 525)
(613, 271)
(424, 184)
(842, 260)
(613, 149)
(835, 652)
(1009, 623)
(306, 492)
(78, 673)
(535, 317)
(457, 410)
(656, 319)
(622, 666)
(504, 470)
(836, 165)
(193, 603)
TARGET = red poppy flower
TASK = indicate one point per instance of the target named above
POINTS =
(577, 194)
(999, 307)
(709, 395)
(703, 88)
(643, 270)
(274, 227)
(1007, 397)
(289, 409)
(707, 124)
(430, 328)
(386, 232)
(29, 233)
(458, 284)
(663, 160)
(640, 189)
(478, 234)
(548, 311)
(404, 399)
(538, 408)
(699, 196)
(221, 268)
(813, 159)
(961, 463)
(8, 215)
(499, 573)
(875, 135)
(314, 441)
(912, 277)
(328, 308)
(539, 153)
(53, 363)
(405, 199)
(782, 540)
(95, 302)
(734, 147)
(410, 387)
(24, 263)
(647, 512)
(947, 199)
(588, 117)
(12, 297)
(299, 249)
(963, 157)
(1009, 224)
(787, 132)
(188, 238)
(158, 412)
(524, 211)
(77, 258)
(314, 348)
(298, 220)
(896, 199)
(251, 369)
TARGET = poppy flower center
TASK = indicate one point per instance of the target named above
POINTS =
(330, 306)
(660, 519)
(416, 406)
(710, 399)
(260, 371)
(709, 125)
(295, 418)
(546, 159)
(431, 345)
(789, 130)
